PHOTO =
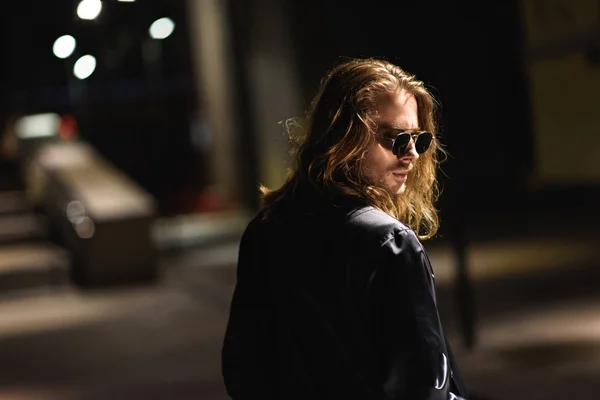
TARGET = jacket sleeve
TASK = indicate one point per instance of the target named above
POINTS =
(418, 365)
(243, 358)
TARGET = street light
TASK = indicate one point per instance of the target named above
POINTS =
(89, 9)
(162, 28)
(84, 67)
(64, 46)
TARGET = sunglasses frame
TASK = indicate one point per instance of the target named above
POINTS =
(414, 136)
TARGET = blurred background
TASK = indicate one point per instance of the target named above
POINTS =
(133, 135)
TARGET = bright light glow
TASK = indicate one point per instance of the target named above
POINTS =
(85, 228)
(37, 126)
(75, 212)
(64, 46)
(89, 9)
(162, 28)
(84, 67)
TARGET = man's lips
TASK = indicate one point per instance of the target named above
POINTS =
(401, 173)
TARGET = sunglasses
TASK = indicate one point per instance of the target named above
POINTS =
(401, 142)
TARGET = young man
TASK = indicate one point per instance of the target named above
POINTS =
(335, 295)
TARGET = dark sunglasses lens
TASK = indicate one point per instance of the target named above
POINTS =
(423, 142)
(401, 144)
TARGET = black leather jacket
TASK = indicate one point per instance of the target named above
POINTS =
(335, 303)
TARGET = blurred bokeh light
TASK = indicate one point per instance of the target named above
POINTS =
(64, 46)
(89, 9)
(84, 67)
(162, 28)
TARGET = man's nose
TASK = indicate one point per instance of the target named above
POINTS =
(411, 152)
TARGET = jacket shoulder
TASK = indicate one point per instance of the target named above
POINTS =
(375, 223)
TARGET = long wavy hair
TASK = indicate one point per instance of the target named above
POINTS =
(330, 153)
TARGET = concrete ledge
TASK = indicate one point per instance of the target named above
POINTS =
(199, 229)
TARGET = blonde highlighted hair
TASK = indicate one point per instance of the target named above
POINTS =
(339, 131)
